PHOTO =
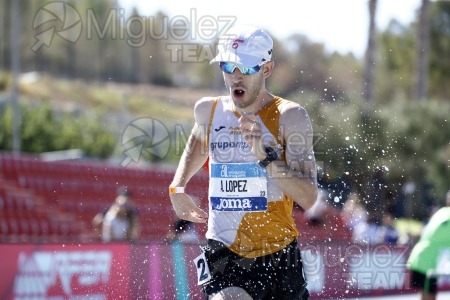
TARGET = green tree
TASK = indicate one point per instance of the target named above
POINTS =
(439, 58)
(44, 129)
(422, 50)
(394, 76)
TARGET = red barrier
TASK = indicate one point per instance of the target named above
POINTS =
(64, 271)
(349, 270)
(166, 271)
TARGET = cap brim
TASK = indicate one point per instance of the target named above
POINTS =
(244, 60)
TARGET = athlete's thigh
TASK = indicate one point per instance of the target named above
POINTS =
(232, 292)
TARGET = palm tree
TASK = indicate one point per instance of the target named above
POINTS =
(423, 38)
(370, 54)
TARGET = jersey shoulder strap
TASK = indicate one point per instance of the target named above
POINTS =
(270, 115)
(211, 117)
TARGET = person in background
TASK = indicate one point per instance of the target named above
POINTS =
(387, 233)
(365, 232)
(354, 212)
(434, 243)
(120, 222)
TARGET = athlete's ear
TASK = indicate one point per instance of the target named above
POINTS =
(267, 68)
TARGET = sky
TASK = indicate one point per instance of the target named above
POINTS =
(341, 25)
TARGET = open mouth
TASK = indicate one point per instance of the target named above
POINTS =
(238, 92)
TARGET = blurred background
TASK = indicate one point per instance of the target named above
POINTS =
(98, 95)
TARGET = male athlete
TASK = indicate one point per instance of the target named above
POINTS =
(261, 160)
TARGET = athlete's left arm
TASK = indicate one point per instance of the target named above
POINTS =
(296, 175)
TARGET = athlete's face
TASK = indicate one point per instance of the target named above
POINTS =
(244, 89)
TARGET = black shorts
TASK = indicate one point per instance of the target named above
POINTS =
(275, 276)
(418, 281)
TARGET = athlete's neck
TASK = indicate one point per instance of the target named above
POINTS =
(261, 100)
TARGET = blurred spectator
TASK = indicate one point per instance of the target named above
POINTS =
(183, 231)
(434, 245)
(433, 209)
(377, 192)
(369, 231)
(387, 233)
(353, 211)
(365, 232)
(120, 222)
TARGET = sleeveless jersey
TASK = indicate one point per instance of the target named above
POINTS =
(247, 210)
(434, 244)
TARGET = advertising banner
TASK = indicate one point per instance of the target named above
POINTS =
(64, 271)
(166, 271)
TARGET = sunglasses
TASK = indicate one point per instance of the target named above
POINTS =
(229, 68)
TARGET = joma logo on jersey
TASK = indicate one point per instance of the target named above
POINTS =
(239, 204)
(234, 204)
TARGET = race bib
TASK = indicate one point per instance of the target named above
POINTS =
(238, 187)
(203, 273)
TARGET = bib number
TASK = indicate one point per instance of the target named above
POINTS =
(238, 187)
(203, 273)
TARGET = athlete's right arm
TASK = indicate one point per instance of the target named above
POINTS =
(193, 158)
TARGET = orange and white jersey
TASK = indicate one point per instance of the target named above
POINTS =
(247, 210)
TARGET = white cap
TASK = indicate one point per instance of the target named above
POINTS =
(244, 46)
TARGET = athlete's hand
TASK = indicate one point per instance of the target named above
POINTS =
(252, 133)
(186, 209)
